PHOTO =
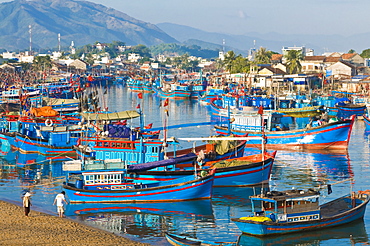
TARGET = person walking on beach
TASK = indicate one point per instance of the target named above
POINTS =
(59, 199)
(27, 203)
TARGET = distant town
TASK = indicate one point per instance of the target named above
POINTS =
(294, 66)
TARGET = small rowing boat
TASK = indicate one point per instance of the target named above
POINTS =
(178, 240)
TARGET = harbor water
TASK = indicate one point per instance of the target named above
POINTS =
(205, 219)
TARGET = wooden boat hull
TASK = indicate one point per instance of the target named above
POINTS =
(347, 111)
(236, 152)
(335, 135)
(252, 174)
(275, 228)
(29, 145)
(173, 94)
(188, 188)
(367, 123)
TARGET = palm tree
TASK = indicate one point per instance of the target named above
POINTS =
(293, 59)
(41, 63)
(240, 65)
(262, 56)
(229, 59)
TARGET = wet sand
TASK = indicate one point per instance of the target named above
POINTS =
(44, 229)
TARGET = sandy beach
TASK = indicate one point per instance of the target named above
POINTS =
(44, 229)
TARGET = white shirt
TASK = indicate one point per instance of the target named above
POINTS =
(60, 198)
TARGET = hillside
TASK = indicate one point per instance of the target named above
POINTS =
(79, 21)
(272, 41)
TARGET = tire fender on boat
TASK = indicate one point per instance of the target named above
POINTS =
(48, 122)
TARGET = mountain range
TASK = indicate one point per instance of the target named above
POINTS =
(85, 22)
(79, 21)
(271, 41)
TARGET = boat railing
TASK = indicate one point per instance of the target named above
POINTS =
(246, 127)
(104, 164)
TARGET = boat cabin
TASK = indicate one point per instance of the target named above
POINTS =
(102, 180)
(253, 122)
(287, 206)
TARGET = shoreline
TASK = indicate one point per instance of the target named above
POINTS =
(45, 229)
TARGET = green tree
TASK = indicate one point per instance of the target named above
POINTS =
(240, 65)
(142, 50)
(41, 63)
(26, 66)
(294, 58)
(365, 53)
(351, 51)
(262, 56)
(229, 59)
(89, 59)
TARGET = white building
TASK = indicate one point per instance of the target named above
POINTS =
(221, 55)
(132, 57)
(26, 59)
(9, 55)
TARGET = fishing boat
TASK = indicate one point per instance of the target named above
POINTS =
(248, 170)
(114, 186)
(275, 212)
(345, 111)
(173, 91)
(367, 123)
(353, 233)
(334, 134)
(178, 240)
(51, 135)
(139, 84)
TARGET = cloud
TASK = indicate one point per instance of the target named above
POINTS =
(242, 15)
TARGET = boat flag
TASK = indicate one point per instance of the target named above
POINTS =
(165, 103)
(329, 189)
(149, 126)
(260, 110)
(138, 106)
(140, 95)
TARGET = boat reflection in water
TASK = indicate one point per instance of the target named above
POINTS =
(304, 169)
(353, 233)
(144, 220)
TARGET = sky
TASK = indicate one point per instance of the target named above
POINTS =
(345, 17)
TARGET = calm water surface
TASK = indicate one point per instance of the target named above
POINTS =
(208, 219)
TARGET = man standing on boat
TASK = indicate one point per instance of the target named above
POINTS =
(59, 199)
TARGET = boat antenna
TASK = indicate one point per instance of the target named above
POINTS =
(59, 42)
(30, 32)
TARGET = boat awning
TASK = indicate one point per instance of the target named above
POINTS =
(162, 163)
(123, 115)
(305, 198)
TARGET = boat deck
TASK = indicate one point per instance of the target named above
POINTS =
(335, 207)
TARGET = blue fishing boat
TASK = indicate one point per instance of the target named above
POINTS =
(49, 136)
(242, 171)
(367, 123)
(352, 233)
(345, 111)
(209, 95)
(178, 240)
(174, 91)
(334, 134)
(275, 212)
(139, 84)
(94, 186)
